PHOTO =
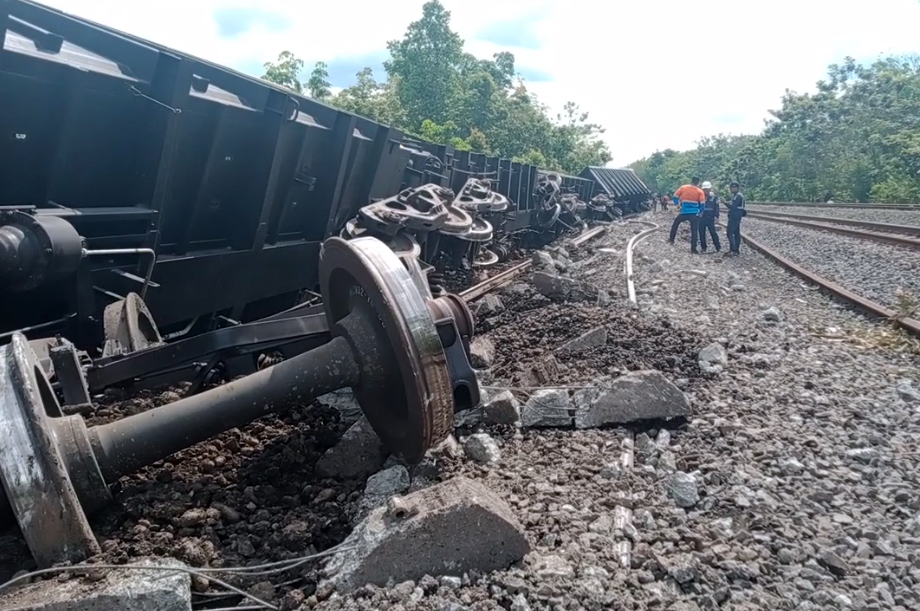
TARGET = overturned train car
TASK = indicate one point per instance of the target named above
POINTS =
(129, 167)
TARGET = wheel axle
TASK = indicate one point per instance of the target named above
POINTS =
(404, 355)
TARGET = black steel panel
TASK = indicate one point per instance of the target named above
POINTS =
(140, 60)
(617, 183)
(222, 280)
(232, 180)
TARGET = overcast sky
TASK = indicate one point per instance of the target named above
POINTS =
(656, 73)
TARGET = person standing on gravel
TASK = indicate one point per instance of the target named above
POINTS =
(692, 201)
(709, 217)
(736, 212)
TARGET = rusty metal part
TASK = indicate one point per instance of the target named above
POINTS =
(414, 410)
(883, 227)
(478, 290)
(546, 218)
(458, 223)
(845, 205)
(485, 258)
(909, 324)
(405, 357)
(33, 468)
(480, 231)
(866, 235)
(402, 243)
(478, 198)
(129, 327)
(418, 208)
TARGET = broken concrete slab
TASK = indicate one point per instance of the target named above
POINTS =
(357, 454)
(482, 352)
(502, 408)
(595, 338)
(344, 402)
(449, 529)
(383, 485)
(638, 395)
(153, 589)
(548, 408)
(543, 261)
(560, 289)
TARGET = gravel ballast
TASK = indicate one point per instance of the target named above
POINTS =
(871, 269)
(895, 217)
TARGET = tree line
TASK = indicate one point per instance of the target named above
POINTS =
(436, 91)
(856, 138)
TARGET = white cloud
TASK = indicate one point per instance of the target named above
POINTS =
(656, 73)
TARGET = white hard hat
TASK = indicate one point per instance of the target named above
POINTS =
(707, 184)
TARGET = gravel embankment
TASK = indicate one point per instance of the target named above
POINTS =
(806, 450)
(895, 217)
(871, 269)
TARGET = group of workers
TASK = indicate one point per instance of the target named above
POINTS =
(699, 205)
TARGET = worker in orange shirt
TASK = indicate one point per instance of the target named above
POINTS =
(692, 203)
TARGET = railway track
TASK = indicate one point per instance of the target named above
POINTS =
(910, 325)
(912, 230)
(845, 205)
(879, 232)
(622, 515)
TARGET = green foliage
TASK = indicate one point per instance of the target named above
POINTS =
(438, 92)
(318, 83)
(285, 72)
(857, 136)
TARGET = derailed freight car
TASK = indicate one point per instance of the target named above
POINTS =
(131, 167)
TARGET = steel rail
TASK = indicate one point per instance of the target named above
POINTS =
(845, 205)
(622, 515)
(836, 220)
(633, 241)
(478, 290)
(908, 324)
(866, 235)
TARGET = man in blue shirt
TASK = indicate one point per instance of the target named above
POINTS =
(736, 212)
(709, 218)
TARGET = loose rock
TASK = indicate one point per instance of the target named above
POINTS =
(713, 358)
(547, 408)
(385, 547)
(683, 489)
(502, 408)
(639, 395)
(358, 453)
(482, 352)
(482, 448)
(489, 305)
(383, 485)
(134, 590)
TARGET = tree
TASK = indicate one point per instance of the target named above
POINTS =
(426, 63)
(857, 136)
(318, 84)
(285, 72)
(438, 92)
(370, 99)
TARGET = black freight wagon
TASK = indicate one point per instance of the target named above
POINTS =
(219, 184)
